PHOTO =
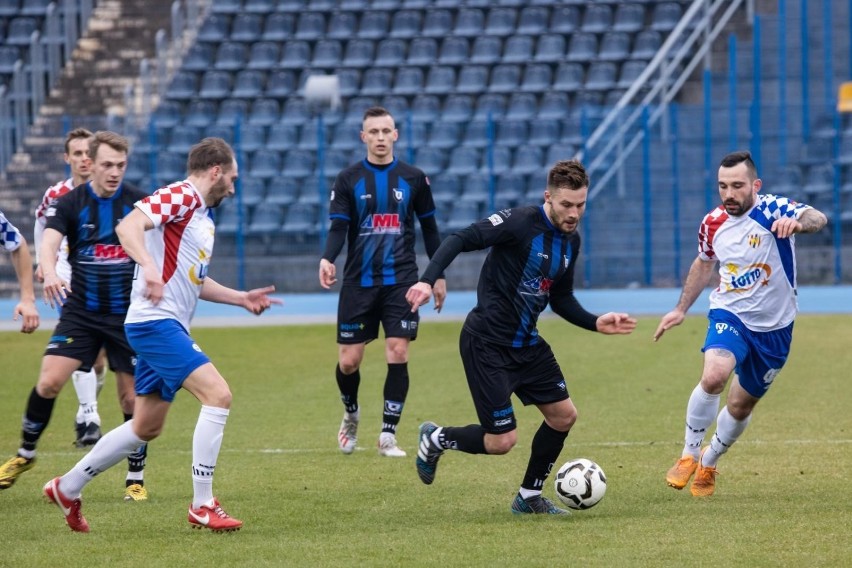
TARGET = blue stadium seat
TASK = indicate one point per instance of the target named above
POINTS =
(295, 111)
(505, 78)
(406, 23)
(227, 218)
(248, 84)
(226, 132)
(665, 16)
(597, 18)
(522, 106)
(359, 53)
(215, 84)
(430, 159)
(215, 29)
(445, 188)
(327, 53)
(278, 27)
(182, 138)
(472, 78)
(527, 160)
(537, 78)
(301, 219)
(167, 114)
(336, 160)
(264, 112)
(630, 71)
(533, 20)
(199, 57)
(343, 25)
(345, 136)
(252, 137)
(299, 163)
(170, 167)
(246, 27)
(486, 50)
(231, 56)
(184, 85)
(583, 47)
(10, 8)
(265, 164)
(476, 187)
(308, 137)
(440, 80)
(350, 81)
(463, 214)
(311, 26)
(282, 136)
(437, 23)
(390, 53)
(457, 108)
(374, 25)
(252, 190)
(232, 111)
(377, 81)
(550, 48)
(478, 133)
(227, 6)
(355, 111)
(615, 46)
(501, 21)
(464, 161)
(629, 18)
(555, 105)
(445, 135)
(518, 49)
(295, 55)
(512, 132)
(565, 19)
(454, 51)
(496, 160)
(423, 51)
(263, 55)
(544, 132)
(490, 104)
(648, 43)
(409, 81)
(602, 76)
(259, 6)
(266, 219)
(425, 107)
(280, 84)
(510, 190)
(20, 29)
(397, 105)
(470, 22)
(37, 8)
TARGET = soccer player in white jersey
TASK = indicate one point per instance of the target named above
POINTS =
(87, 384)
(752, 238)
(13, 241)
(170, 236)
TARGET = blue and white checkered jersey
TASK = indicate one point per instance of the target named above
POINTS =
(10, 236)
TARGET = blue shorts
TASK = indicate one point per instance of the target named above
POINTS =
(760, 355)
(165, 356)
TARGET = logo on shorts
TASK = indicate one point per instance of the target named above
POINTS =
(355, 326)
(561, 386)
(770, 376)
(721, 327)
(408, 324)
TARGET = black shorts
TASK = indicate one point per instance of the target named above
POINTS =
(495, 371)
(359, 311)
(80, 334)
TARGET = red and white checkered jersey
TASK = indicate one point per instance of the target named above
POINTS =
(757, 269)
(54, 192)
(181, 244)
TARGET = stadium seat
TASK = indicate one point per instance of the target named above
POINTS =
(227, 7)
(472, 78)
(20, 29)
(167, 114)
(597, 18)
(390, 53)
(445, 135)
(232, 111)
(527, 160)
(231, 56)
(264, 112)
(569, 77)
(184, 85)
(374, 25)
(445, 188)
(199, 57)
(301, 219)
(469, 23)
(491, 105)
(266, 219)
(311, 26)
(454, 51)
(343, 25)
(248, 84)
(280, 84)
(398, 106)
(263, 55)
(665, 16)
(36, 8)
(299, 163)
(437, 23)
(583, 47)
(519, 49)
(537, 78)
(423, 51)
(10, 8)
(602, 76)
(615, 46)
(265, 164)
(565, 19)
(464, 161)
(510, 190)
(295, 55)
(215, 84)
(629, 18)
(215, 29)
(550, 48)
(479, 133)
(430, 159)
(252, 137)
(533, 20)
(246, 27)
(355, 111)
(457, 108)
(496, 160)
(182, 138)
(282, 136)
(170, 167)
(512, 132)
(359, 53)
(630, 71)
(544, 132)
(555, 105)
(252, 190)
(648, 43)
(425, 107)
(278, 27)
(307, 137)
(406, 24)
(505, 78)
(259, 6)
(463, 214)
(327, 53)
(226, 132)
(522, 106)
(377, 81)
(486, 50)
(501, 21)
(409, 81)
(440, 80)
(227, 218)
(476, 187)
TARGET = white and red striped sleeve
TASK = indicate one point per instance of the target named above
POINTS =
(53, 193)
(169, 204)
(707, 231)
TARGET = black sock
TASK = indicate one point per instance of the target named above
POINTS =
(348, 385)
(136, 460)
(396, 389)
(36, 418)
(546, 446)
(469, 439)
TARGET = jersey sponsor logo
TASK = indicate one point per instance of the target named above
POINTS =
(109, 252)
(382, 224)
(495, 219)
(743, 280)
(537, 286)
(197, 277)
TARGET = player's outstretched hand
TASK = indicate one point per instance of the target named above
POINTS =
(29, 314)
(616, 323)
(671, 319)
(418, 295)
(258, 301)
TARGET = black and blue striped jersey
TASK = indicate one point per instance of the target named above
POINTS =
(379, 205)
(101, 272)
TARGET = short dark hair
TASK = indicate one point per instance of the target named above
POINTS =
(568, 174)
(112, 139)
(208, 153)
(375, 111)
(76, 134)
(740, 157)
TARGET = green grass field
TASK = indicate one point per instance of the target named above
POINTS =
(783, 493)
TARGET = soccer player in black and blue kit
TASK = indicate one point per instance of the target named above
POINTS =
(373, 205)
(531, 264)
(94, 303)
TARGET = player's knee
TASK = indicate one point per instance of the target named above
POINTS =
(502, 444)
(147, 432)
(713, 383)
(564, 422)
(349, 365)
(222, 398)
(49, 387)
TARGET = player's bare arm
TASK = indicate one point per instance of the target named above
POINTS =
(55, 289)
(696, 280)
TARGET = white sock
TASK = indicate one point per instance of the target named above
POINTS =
(86, 385)
(205, 452)
(527, 493)
(728, 431)
(700, 412)
(113, 447)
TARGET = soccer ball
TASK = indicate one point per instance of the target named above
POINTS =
(580, 483)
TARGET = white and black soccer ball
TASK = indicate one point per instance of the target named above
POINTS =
(580, 483)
